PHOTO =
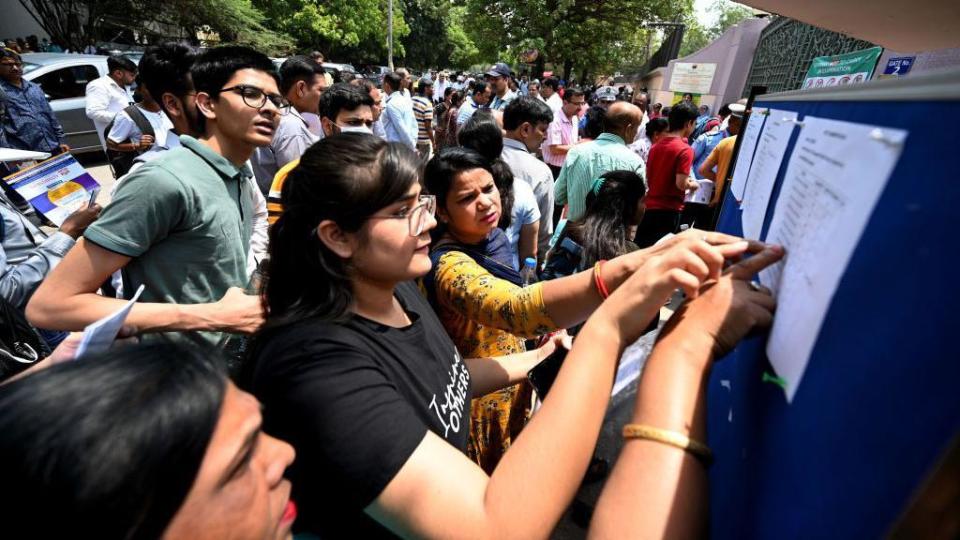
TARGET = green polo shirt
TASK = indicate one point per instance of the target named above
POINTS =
(185, 220)
(587, 162)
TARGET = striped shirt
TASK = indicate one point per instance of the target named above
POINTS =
(562, 132)
(423, 112)
(274, 205)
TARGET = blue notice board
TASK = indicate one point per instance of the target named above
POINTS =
(879, 402)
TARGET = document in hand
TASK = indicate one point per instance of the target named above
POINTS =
(99, 336)
(55, 187)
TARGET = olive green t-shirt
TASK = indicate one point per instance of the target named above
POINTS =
(185, 219)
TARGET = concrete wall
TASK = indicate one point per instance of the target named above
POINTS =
(926, 61)
(17, 22)
(733, 53)
(653, 81)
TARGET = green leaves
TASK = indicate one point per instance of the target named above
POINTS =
(592, 35)
(698, 36)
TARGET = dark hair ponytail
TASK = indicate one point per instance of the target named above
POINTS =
(345, 178)
(610, 209)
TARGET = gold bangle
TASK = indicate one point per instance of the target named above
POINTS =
(672, 438)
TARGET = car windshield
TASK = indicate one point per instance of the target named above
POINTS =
(28, 67)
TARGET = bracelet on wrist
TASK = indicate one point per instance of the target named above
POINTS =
(598, 280)
(671, 438)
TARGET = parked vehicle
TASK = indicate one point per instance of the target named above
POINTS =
(336, 69)
(375, 74)
(63, 78)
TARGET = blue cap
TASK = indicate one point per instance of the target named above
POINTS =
(529, 262)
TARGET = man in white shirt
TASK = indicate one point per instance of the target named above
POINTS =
(108, 95)
(302, 83)
(549, 93)
(136, 129)
(525, 123)
(399, 122)
(440, 88)
(406, 81)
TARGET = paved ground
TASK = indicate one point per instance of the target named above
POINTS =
(98, 167)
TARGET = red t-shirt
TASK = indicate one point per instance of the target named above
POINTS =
(668, 158)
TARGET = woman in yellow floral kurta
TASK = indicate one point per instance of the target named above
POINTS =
(488, 316)
(476, 291)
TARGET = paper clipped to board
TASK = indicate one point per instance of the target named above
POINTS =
(835, 176)
(763, 171)
(749, 134)
(100, 335)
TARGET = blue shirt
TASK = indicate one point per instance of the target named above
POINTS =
(525, 212)
(29, 123)
(399, 123)
(466, 111)
(702, 148)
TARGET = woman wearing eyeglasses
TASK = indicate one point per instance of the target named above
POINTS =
(355, 370)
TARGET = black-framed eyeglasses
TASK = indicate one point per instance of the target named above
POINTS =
(256, 98)
(417, 216)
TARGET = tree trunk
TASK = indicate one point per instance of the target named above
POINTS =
(540, 66)
(567, 68)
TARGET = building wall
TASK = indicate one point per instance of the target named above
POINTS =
(733, 53)
(925, 61)
(17, 22)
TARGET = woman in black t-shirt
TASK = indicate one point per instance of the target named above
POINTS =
(354, 369)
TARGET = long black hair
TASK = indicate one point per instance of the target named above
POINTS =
(482, 134)
(107, 446)
(611, 208)
(345, 178)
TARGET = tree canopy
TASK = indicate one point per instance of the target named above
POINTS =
(582, 37)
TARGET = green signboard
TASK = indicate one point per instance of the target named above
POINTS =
(842, 69)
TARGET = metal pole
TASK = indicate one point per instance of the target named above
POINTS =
(390, 34)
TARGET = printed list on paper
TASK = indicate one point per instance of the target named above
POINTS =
(750, 134)
(834, 178)
(763, 172)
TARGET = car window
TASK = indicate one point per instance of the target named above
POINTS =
(67, 82)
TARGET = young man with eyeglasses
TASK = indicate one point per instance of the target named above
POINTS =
(180, 224)
(302, 82)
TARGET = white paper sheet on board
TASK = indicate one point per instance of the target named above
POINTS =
(750, 134)
(834, 178)
(100, 335)
(763, 172)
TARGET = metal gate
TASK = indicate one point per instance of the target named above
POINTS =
(786, 48)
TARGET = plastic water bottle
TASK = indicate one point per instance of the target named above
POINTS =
(529, 273)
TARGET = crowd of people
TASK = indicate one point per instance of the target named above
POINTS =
(33, 44)
(337, 306)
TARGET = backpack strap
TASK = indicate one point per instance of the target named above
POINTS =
(140, 120)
